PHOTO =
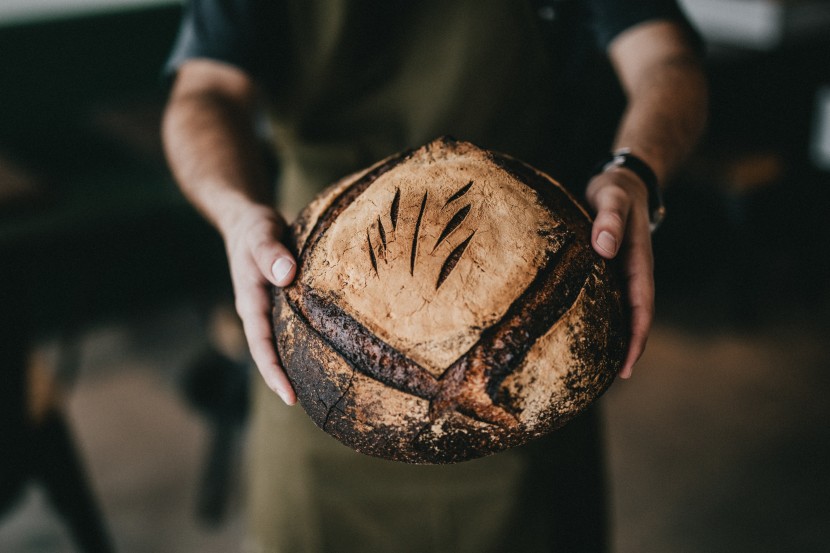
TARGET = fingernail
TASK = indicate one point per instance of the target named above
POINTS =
(607, 242)
(281, 268)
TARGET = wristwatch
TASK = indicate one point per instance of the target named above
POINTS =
(624, 158)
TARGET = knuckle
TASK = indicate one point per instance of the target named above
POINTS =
(613, 216)
(264, 246)
(613, 221)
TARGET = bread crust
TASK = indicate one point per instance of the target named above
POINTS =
(447, 305)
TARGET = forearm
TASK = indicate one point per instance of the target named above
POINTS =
(213, 151)
(667, 99)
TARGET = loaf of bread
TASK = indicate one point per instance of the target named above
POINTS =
(447, 305)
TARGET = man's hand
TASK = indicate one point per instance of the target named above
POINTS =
(621, 227)
(211, 144)
(258, 260)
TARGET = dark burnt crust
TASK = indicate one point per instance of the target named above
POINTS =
(325, 392)
(601, 349)
(363, 350)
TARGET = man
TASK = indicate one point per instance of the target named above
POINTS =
(346, 83)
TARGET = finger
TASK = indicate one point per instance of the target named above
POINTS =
(640, 273)
(640, 326)
(273, 260)
(253, 308)
(613, 206)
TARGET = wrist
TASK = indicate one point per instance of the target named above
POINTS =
(622, 160)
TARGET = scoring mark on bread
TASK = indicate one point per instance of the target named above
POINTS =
(453, 224)
(382, 232)
(415, 235)
(452, 260)
(460, 192)
(393, 211)
(372, 257)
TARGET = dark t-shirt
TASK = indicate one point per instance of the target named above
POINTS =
(244, 33)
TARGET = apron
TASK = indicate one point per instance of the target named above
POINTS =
(364, 80)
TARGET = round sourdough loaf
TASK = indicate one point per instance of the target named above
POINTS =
(447, 305)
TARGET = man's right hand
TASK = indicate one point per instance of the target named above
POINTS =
(258, 260)
(215, 154)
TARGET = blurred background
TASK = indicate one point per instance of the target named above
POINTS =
(119, 421)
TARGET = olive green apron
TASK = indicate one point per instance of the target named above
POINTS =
(309, 493)
(365, 80)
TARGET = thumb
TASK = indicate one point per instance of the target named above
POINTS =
(610, 221)
(275, 262)
(271, 257)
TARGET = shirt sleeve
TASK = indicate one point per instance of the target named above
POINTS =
(221, 30)
(612, 17)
